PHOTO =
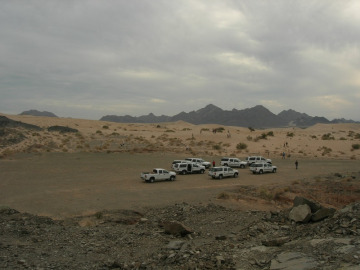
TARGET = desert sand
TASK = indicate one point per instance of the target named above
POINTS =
(66, 174)
(331, 141)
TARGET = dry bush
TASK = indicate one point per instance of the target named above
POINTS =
(355, 146)
(241, 146)
(223, 196)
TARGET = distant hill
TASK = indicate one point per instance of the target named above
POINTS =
(9, 123)
(256, 117)
(38, 113)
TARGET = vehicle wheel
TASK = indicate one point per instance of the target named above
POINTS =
(172, 178)
(152, 180)
(235, 175)
(220, 176)
(261, 172)
(202, 171)
(274, 170)
(254, 172)
(213, 177)
(183, 172)
(242, 166)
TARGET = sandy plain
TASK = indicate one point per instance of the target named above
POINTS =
(61, 175)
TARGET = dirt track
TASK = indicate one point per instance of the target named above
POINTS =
(61, 185)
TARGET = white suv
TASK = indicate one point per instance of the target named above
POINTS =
(262, 167)
(233, 162)
(200, 161)
(257, 159)
(188, 168)
(221, 172)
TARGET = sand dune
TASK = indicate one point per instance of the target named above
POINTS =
(335, 141)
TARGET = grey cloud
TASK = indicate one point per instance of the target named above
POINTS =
(114, 57)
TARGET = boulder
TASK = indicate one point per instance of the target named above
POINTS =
(176, 228)
(314, 206)
(322, 214)
(275, 242)
(301, 213)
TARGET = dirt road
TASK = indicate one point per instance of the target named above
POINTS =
(61, 184)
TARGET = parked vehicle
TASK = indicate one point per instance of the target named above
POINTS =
(158, 175)
(223, 171)
(200, 161)
(233, 162)
(256, 159)
(178, 161)
(262, 167)
(188, 168)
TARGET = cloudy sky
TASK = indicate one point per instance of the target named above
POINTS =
(87, 58)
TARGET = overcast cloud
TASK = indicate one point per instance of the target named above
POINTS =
(87, 59)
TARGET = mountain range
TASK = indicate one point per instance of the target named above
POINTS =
(256, 117)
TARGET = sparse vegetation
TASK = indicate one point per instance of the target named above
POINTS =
(355, 146)
(327, 136)
(241, 146)
(290, 134)
(219, 129)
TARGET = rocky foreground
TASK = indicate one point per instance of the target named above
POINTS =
(184, 236)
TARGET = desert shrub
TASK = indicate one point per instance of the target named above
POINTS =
(226, 144)
(313, 137)
(342, 139)
(325, 150)
(251, 129)
(290, 134)
(357, 136)
(204, 129)
(266, 194)
(263, 136)
(270, 133)
(219, 129)
(223, 196)
(105, 127)
(249, 138)
(99, 132)
(217, 147)
(186, 129)
(327, 136)
(241, 146)
(169, 130)
(355, 146)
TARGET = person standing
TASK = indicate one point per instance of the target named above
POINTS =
(296, 164)
(213, 163)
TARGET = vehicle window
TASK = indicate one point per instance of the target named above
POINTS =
(217, 169)
(230, 169)
(164, 171)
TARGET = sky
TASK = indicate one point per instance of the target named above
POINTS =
(87, 59)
